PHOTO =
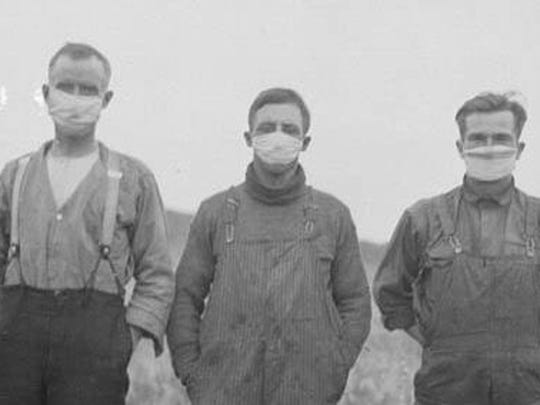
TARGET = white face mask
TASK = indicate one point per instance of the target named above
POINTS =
(490, 163)
(277, 147)
(71, 112)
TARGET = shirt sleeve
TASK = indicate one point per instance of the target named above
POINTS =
(193, 279)
(393, 281)
(5, 222)
(349, 284)
(154, 288)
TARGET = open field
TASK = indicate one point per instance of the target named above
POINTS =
(382, 375)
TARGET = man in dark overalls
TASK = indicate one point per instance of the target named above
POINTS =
(288, 306)
(462, 274)
(78, 221)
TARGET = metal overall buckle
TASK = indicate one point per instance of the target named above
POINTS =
(455, 243)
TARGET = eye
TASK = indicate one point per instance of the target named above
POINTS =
(290, 129)
(65, 87)
(265, 128)
(85, 90)
(503, 138)
(476, 137)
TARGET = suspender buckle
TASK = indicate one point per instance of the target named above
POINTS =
(455, 243)
(13, 251)
(309, 226)
(229, 232)
(105, 251)
(529, 246)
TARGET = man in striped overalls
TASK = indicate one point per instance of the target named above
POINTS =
(77, 222)
(272, 304)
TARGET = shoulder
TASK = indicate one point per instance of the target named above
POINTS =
(212, 207)
(423, 216)
(131, 166)
(523, 196)
(329, 205)
(12, 166)
(529, 203)
(428, 206)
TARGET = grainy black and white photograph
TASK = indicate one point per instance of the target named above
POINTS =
(286, 202)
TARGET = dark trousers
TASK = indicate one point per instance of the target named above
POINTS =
(65, 347)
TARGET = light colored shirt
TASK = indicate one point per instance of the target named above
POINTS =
(59, 246)
(66, 173)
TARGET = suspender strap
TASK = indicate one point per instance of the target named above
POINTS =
(309, 212)
(231, 215)
(109, 220)
(447, 213)
(111, 203)
(14, 246)
(531, 223)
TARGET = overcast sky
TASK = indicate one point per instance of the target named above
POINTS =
(383, 80)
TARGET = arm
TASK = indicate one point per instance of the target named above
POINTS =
(349, 285)
(193, 279)
(5, 221)
(393, 281)
(149, 307)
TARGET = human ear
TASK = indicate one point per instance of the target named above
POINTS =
(45, 91)
(247, 138)
(521, 146)
(305, 143)
(459, 146)
(107, 98)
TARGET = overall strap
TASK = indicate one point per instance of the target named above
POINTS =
(531, 224)
(447, 213)
(232, 204)
(310, 209)
(109, 220)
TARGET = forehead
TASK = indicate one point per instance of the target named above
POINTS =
(490, 122)
(279, 112)
(87, 70)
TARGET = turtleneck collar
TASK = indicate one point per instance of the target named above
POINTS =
(294, 189)
(499, 191)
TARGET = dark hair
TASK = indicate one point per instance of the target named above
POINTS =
(278, 95)
(77, 51)
(492, 102)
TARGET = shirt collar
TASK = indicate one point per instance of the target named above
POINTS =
(499, 191)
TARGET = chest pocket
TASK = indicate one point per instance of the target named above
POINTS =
(434, 273)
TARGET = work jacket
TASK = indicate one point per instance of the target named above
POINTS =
(272, 304)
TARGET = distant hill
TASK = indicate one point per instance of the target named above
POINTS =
(177, 231)
(178, 228)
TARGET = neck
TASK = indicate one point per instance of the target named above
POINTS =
(271, 179)
(483, 187)
(73, 146)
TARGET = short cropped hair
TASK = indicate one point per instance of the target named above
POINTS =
(492, 102)
(78, 51)
(278, 95)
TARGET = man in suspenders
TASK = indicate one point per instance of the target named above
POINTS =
(462, 272)
(272, 304)
(77, 222)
